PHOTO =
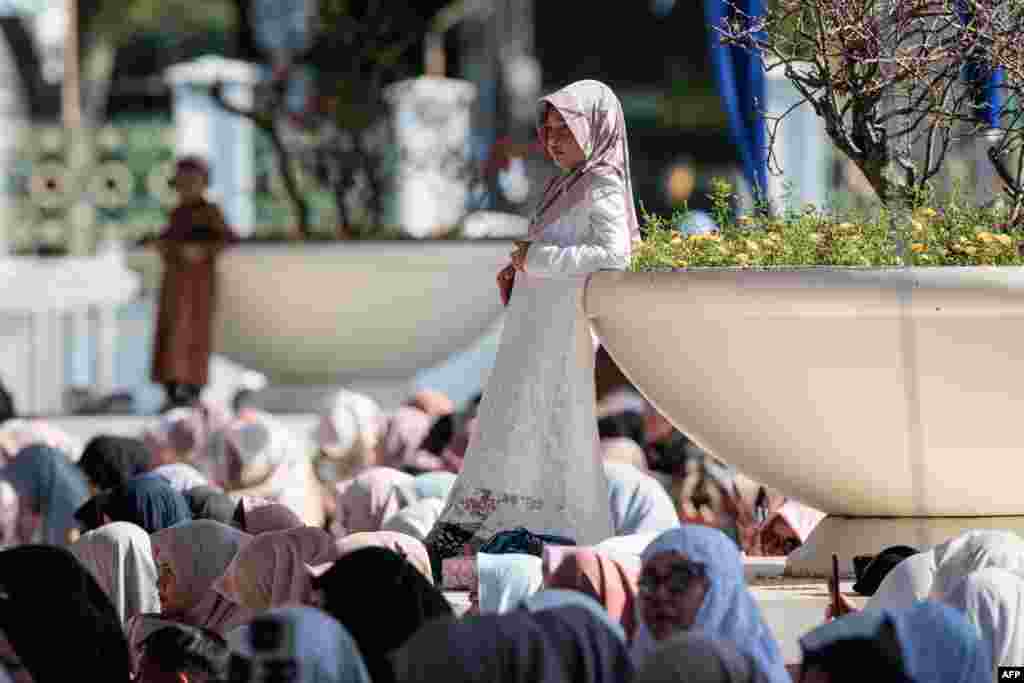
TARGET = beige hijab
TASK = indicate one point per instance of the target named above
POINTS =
(120, 558)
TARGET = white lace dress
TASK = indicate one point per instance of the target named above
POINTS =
(535, 463)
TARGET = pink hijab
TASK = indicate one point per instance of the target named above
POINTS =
(275, 568)
(366, 501)
(198, 553)
(406, 429)
(801, 519)
(594, 115)
(18, 434)
(408, 547)
(263, 515)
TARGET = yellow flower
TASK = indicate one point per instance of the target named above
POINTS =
(986, 237)
(917, 227)
(1005, 240)
(927, 212)
(971, 250)
(846, 226)
(696, 238)
(917, 247)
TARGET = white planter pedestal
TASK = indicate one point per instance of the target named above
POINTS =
(864, 393)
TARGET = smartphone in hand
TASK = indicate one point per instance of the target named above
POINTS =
(836, 606)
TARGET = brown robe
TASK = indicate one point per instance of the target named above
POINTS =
(181, 350)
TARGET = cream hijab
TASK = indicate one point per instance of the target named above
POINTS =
(993, 600)
(120, 558)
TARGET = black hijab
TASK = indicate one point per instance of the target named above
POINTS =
(147, 501)
(58, 619)
(353, 591)
(110, 461)
(207, 502)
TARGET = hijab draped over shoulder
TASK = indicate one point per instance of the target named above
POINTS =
(729, 611)
(198, 553)
(45, 479)
(594, 115)
(275, 568)
(58, 618)
(120, 557)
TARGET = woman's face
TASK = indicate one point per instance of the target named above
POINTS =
(561, 143)
(779, 539)
(167, 586)
(190, 184)
(672, 590)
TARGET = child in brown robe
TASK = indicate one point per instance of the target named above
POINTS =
(189, 247)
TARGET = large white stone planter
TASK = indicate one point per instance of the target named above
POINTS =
(322, 314)
(866, 393)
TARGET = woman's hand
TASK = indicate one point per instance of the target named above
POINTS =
(844, 607)
(519, 256)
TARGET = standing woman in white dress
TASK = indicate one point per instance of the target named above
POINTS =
(534, 462)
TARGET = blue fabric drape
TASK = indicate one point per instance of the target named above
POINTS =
(739, 78)
(986, 79)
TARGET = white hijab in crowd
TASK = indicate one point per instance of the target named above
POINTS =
(933, 573)
(729, 611)
(639, 502)
(993, 600)
(506, 580)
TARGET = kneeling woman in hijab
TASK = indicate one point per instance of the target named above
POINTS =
(548, 646)
(58, 620)
(382, 599)
(927, 643)
(50, 489)
(692, 580)
(298, 644)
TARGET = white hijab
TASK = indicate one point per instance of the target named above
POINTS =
(506, 580)
(120, 558)
(906, 583)
(181, 476)
(972, 551)
(993, 600)
(639, 502)
(417, 519)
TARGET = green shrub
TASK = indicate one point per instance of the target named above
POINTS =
(954, 234)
